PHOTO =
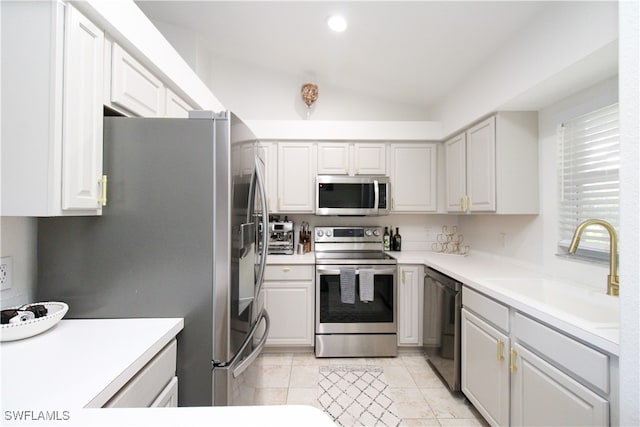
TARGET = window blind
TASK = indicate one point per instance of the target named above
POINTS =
(589, 168)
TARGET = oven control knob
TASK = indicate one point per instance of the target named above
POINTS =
(329, 233)
(376, 232)
(320, 233)
(368, 232)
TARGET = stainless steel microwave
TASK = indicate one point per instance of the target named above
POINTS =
(352, 195)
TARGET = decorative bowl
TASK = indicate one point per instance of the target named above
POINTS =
(29, 328)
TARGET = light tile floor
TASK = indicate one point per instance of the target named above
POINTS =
(419, 394)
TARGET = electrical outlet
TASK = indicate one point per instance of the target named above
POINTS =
(5, 272)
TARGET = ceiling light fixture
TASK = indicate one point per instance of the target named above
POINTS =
(337, 23)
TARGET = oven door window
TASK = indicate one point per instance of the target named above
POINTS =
(380, 310)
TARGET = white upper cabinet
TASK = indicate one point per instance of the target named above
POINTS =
(333, 158)
(455, 167)
(493, 166)
(413, 177)
(133, 87)
(270, 153)
(296, 177)
(52, 132)
(370, 158)
(359, 158)
(481, 166)
(82, 114)
(176, 106)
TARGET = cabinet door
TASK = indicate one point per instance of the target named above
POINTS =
(333, 159)
(413, 177)
(176, 106)
(456, 172)
(296, 174)
(290, 308)
(370, 159)
(410, 291)
(543, 395)
(481, 166)
(82, 113)
(133, 87)
(485, 368)
(270, 153)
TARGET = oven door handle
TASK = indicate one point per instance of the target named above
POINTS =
(376, 270)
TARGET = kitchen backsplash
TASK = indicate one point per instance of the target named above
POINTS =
(418, 232)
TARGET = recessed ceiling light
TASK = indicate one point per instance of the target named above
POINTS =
(337, 23)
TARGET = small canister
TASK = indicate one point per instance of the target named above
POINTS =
(300, 250)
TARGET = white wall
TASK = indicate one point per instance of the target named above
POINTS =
(418, 232)
(554, 41)
(630, 220)
(18, 240)
(260, 93)
(534, 239)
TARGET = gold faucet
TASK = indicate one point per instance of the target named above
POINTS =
(613, 281)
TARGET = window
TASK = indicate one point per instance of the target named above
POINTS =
(589, 167)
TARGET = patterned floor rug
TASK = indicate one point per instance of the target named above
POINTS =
(357, 396)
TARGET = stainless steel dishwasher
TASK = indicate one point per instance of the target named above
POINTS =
(441, 340)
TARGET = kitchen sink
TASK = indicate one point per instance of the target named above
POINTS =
(592, 308)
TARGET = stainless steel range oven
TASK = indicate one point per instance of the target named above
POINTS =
(356, 295)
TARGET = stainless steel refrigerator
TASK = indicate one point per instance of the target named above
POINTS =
(181, 236)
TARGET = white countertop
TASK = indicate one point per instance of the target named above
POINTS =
(308, 258)
(63, 376)
(577, 309)
(229, 416)
(79, 363)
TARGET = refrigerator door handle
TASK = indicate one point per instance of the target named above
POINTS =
(242, 366)
(265, 225)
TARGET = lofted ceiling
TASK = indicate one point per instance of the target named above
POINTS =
(410, 54)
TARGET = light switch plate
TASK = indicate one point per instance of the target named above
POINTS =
(6, 268)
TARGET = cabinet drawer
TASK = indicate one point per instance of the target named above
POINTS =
(288, 272)
(491, 310)
(570, 355)
(168, 397)
(146, 385)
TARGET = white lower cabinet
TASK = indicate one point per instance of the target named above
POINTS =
(485, 368)
(288, 298)
(155, 384)
(410, 296)
(517, 371)
(168, 398)
(543, 395)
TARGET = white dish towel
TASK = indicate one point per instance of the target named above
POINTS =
(366, 284)
(348, 285)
